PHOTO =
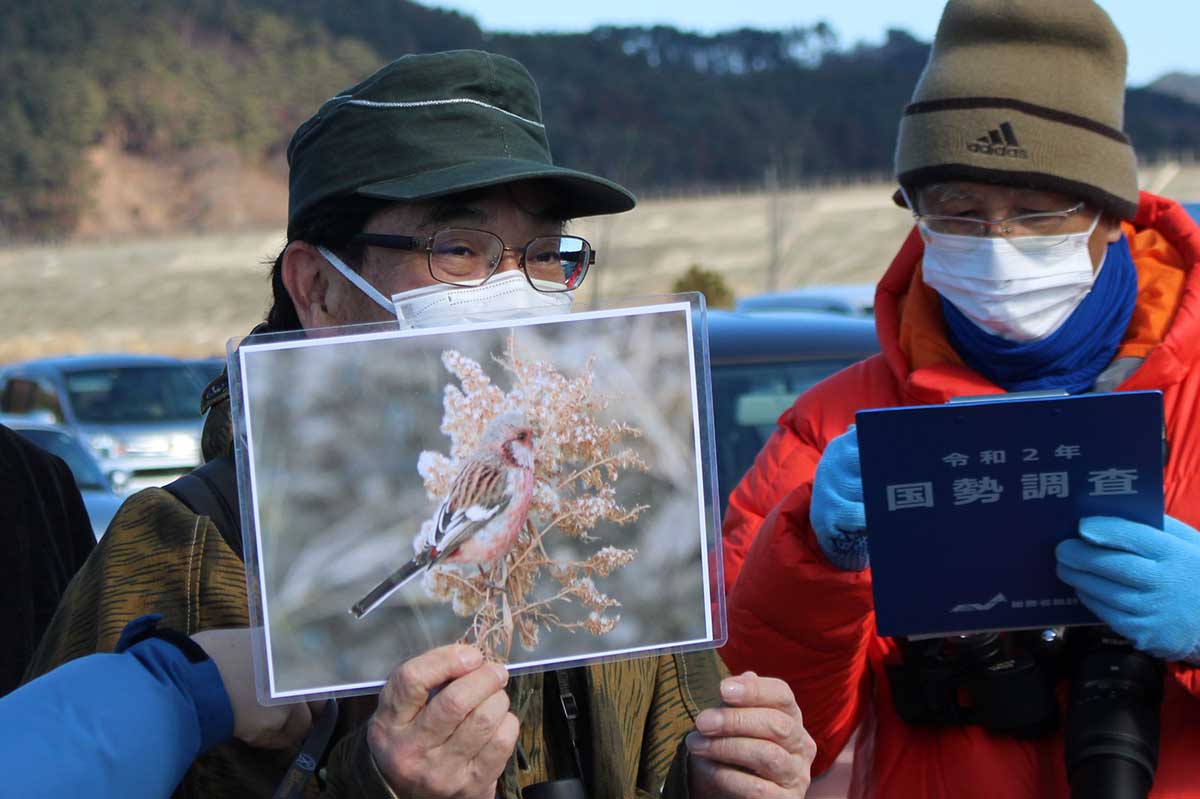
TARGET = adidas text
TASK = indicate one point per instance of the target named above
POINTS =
(1002, 150)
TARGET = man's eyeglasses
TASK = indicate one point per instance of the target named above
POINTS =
(468, 257)
(1036, 231)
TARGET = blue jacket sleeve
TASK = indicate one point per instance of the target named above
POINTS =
(114, 725)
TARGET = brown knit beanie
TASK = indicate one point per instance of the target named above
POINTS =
(1026, 93)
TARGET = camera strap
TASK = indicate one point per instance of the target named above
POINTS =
(567, 703)
(311, 752)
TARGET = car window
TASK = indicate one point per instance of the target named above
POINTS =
(747, 401)
(134, 394)
(83, 467)
(45, 401)
(18, 395)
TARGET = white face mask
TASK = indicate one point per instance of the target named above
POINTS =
(1019, 293)
(442, 303)
(358, 281)
(507, 295)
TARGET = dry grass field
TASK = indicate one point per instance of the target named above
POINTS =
(187, 295)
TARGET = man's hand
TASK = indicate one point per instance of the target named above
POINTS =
(837, 512)
(1140, 581)
(454, 743)
(276, 727)
(755, 745)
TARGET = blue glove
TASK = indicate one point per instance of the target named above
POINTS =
(1142, 582)
(837, 513)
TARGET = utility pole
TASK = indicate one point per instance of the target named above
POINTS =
(773, 227)
(604, 234)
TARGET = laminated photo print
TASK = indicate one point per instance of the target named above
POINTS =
(540, 488)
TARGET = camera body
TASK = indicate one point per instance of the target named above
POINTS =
(1006, 683)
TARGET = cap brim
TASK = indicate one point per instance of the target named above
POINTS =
(582, 194)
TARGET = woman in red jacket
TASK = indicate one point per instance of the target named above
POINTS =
(1035, 264)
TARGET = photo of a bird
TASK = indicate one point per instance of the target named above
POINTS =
(481, 516)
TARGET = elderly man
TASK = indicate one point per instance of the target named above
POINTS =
(1034, 264)
(393, 182)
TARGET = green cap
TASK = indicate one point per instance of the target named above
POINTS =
(425, 126)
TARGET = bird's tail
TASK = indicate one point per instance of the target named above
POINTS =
(391, 584)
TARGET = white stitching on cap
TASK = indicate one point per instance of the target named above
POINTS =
(425, 103)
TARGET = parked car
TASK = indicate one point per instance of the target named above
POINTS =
(760, 364)
(99, 497)
(139, 414)
(854, 299)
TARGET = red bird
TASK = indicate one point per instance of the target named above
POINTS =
(479, 520)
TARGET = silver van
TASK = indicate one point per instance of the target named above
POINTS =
(139, 414)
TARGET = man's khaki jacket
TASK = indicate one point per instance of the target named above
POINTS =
(160, 557)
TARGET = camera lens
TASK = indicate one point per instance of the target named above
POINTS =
(1111, 740)
(1010, 692)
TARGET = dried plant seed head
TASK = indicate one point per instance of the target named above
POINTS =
(580, 458)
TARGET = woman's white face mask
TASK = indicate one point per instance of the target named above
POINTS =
(506, 295)
(1019, 293)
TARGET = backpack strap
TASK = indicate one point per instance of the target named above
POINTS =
(211, 490)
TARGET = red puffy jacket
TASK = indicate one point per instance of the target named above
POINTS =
(795, 616)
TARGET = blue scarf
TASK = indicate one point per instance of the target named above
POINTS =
(1072, 357)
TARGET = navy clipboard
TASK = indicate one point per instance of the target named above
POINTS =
(966, 502)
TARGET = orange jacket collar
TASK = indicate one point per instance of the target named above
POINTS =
(1166, 247)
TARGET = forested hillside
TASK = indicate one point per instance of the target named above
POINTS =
(655, 108)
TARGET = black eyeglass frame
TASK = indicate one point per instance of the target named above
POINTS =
(393, 241)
